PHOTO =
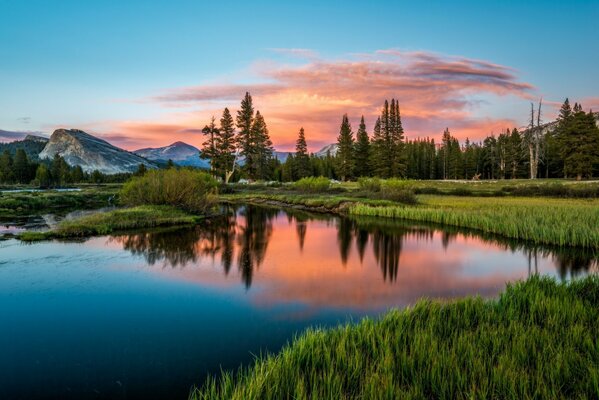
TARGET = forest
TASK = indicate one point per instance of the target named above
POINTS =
(566, 148)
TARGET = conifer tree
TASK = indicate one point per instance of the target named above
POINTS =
(209, 151)
(226, 155)
(6, 172)
(345, 152)
(398, 157)
(377, 154)
(245, 142)
(21, 166)
(362, 151)
(578, 137)
(302, 159)
(261, 149)
(42, 176)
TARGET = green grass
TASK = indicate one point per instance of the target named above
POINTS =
(90, 196)
(113, 221)
(537, 340)
(561, 222)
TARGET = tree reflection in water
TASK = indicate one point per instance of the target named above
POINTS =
(243, 233)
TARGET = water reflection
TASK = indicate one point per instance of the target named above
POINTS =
(243, 235)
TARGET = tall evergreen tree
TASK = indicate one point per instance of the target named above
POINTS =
(302, 158)
(225, 147)
(209, 151)
(345, 152)
(579, 142)
(261, 149)
(245, 142)
(397, 145)
(378, 151)
(6, 172)
(362, 151)
(21, 166)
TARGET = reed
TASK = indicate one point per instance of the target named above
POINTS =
(537, 340)
(562, 222)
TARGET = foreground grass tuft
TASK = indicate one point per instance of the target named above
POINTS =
(113, 221)
(538, 340)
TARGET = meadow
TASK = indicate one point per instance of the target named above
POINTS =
(561, 222)
(537, 340)
(103, 223)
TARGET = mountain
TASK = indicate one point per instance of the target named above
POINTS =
(332, 148)
(282, 155)
(181, 153)
(38, 139)
(32, 145)
(91, 153)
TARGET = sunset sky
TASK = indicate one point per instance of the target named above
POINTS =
(145, 74)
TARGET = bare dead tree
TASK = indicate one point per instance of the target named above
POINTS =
(533, 139)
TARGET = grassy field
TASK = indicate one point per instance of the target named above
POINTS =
(537, 340)
(103, 223)
(562, 222)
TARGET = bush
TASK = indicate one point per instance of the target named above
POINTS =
(554, 190)
(185, 189)
(313, 184)
(397, 190)
(369, 184)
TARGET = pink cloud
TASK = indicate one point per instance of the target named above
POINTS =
(434, 91)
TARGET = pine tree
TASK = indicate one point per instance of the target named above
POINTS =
(6, 172)
(77, 174)
(377, 152)
(515, 156)
(141, 170)
(262, 149)
(225, 147)
(302, 159)
(579, 142)
(345, 152)
(209, 151)
(396, 139)
(21, 166)
(42, 176)
(362, 151)
(245, 142)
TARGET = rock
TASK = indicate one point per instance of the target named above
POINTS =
(91, 153)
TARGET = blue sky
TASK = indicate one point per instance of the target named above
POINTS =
(101, 65)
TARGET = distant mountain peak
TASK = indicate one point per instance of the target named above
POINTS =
(91, 153)
(35, 138)
(180, 153)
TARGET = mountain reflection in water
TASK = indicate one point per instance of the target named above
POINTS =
(318, 252)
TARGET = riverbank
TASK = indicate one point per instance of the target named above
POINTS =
(22, 201)
(550, 221)
(537, 340)
(103, 223)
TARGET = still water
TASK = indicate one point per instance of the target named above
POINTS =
(149, 315)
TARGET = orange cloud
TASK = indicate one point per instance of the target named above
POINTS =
(434, 92)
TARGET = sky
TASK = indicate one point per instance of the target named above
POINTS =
(146, 74)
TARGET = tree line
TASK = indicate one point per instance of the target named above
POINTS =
(568, 148)
(20, 169)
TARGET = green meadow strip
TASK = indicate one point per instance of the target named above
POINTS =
(537, 340)
(562, 222)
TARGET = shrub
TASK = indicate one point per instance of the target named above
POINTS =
(313, 184)
(185, 189)
(369, 184)
(555, 190)
(397, 190)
